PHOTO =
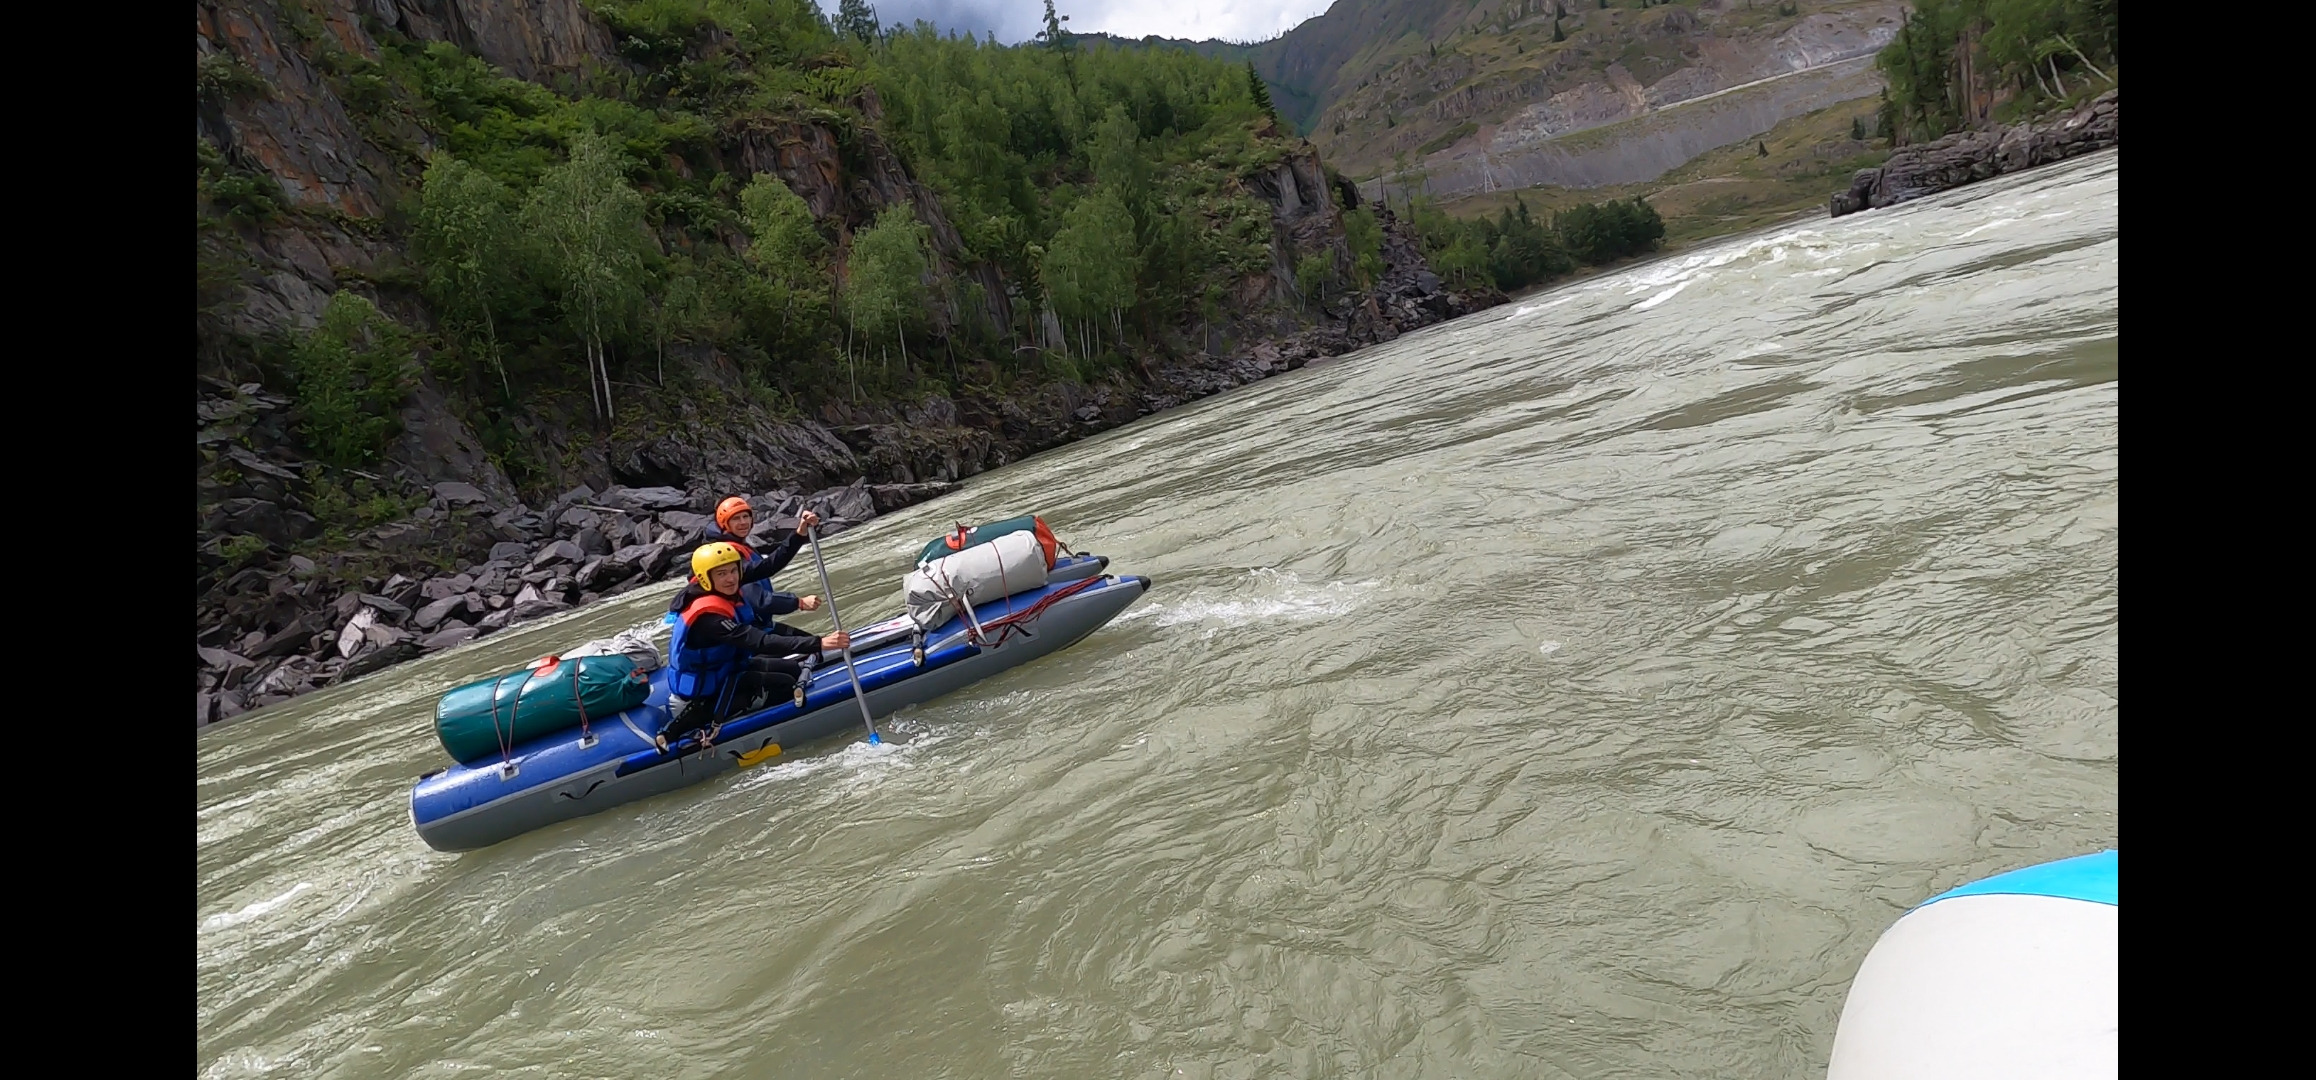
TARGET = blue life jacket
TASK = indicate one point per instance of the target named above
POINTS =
(699, 673)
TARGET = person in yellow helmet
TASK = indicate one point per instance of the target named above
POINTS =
(720, 663)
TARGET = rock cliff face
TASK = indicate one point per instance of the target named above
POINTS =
(475, 554)
(1647, 145)
(1970, 156)
(1673, 81)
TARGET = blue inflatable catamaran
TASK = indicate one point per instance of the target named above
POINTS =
(512, 778)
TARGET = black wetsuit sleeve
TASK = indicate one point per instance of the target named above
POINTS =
(715, 629)
(775, 560)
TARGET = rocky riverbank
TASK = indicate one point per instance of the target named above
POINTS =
(469, 560)
(1969, 156)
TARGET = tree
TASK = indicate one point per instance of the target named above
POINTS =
(1524, 251)
(781, 238)
(779, 224)
(1089, 266)
(857, 18)
(1464, 262)
(1364, 235)
(1259, 91)
(886, 290)
(467, 243)
(350, 373)
(590, 224)
(1116, 155)
(1312, 273)
(1055, 35)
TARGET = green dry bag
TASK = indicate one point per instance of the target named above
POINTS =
(963, 538)
(480, 720)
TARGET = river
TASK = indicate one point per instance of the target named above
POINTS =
(1577, 689)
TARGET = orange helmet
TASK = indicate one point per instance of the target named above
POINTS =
(727, 509)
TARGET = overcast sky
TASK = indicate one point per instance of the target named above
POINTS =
(1017, 20)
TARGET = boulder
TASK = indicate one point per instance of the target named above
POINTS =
(690, 526)
(292, 678)
(400, 588)
(431, 616)
(231, 703)
(648, 498)
(256, 517)
(375, 659)
(507, 551)
(353, 635)
(576, 519)
(281, 642)
(592, 541)
(529, 593)
(561, 551)
(387, 608)
(221, 660)
(444, 588)
(852, 503)
(655, 560)
(890, 497)
(447, 637)
(590, 571)
(459, 493)
(533, 608)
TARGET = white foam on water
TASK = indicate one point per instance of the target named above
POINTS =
(1267, 596)
(858, 762)
(1548, 647)
(1527, 309)
(1995, 224)
(1661, 297)
(258, 910)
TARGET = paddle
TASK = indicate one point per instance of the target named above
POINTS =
(859, 695)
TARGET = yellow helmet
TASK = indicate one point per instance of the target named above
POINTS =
(711, 556)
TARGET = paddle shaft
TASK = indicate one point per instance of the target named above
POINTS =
(829, 592)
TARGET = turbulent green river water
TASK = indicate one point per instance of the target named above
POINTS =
(1574, 690)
